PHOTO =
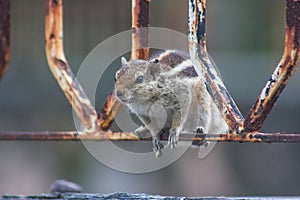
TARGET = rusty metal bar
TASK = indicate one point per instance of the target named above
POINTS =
(123, 136)
(61, 69)
(204, 67)
(282, 73)
(64, 136)
(140, 50)
(109, 111)
(4, 36)
(140, 32)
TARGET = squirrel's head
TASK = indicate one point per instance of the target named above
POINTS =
(136, 81)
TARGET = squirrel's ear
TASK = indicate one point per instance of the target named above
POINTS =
(154, 68)
(124, 61)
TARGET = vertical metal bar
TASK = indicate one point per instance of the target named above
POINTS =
(140, 33)
(140, 50)
(4, 36)
(204, 67)
(61, 69)
(282, 73)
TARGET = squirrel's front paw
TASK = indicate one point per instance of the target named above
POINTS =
(157, 147)
(173, 139)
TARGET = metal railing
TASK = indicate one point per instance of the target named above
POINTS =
(97, 124)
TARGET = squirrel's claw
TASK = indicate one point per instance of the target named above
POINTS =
(173, 139)
(142, 132)
(158, 153)
(157, 147)
(199, 129)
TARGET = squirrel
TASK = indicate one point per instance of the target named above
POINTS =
(165, 92)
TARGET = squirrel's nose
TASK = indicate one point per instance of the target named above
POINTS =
(119, 93)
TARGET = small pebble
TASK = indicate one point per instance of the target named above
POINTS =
(63, 186)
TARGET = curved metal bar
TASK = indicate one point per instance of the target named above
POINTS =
(282, 73)
(61, 69)
(204, 67)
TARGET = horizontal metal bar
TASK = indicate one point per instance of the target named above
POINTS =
(123, 136)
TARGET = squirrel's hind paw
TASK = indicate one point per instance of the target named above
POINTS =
(173, 139)
(199, 130)
(157, 147)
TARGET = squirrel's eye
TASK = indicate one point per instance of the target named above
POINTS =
(139, 79)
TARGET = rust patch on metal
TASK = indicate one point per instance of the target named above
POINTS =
(109, 111)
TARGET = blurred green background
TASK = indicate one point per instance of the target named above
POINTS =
(246, 40)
